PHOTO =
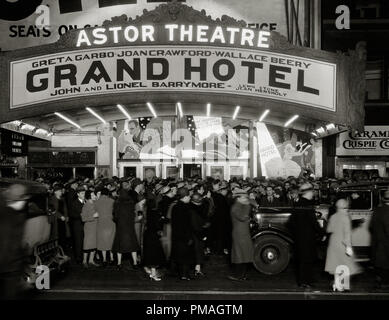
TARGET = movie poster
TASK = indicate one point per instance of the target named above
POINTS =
(285, 152)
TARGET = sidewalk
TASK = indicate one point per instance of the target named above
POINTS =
(103, 282)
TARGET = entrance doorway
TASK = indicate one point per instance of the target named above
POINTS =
(130, 172)
(192, 170)
(85, 172)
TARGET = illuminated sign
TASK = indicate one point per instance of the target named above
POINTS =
(19, 20)
(173, 68)
(270, 158)
(174, 33)
(12, 143)
(374, 140)
(175, 53)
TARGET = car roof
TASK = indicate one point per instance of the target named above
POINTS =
(32, 186)
(365, 186)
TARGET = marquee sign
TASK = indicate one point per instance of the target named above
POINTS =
(179, 68)
(176, 53)
(373, 141)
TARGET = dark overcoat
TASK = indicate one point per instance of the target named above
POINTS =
(242, 245)
(379, 228)
(182, 234)
(12, 255)
(305, 230)
(124, 217)
(153, 254)
(61, 228)
(199, 219)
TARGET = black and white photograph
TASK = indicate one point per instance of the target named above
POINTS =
(194, 150)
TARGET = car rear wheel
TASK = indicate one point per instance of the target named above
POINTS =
(271, 254)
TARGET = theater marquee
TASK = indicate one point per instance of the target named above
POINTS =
(174, 68)
(175, 53)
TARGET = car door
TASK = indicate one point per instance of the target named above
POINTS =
(361, 210)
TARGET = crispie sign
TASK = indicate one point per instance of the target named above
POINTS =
(374, 140)
(112, 70)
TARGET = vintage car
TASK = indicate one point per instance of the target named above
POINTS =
(273, 239)
(39, 240)
(363, 199)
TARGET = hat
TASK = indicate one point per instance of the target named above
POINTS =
(158, 187)
(182, 192)
(234, 185)
(341, 204)
(306, 187)
(58, 187)
(223, 185)
(237, 192)
(71, 181)
(16, 192)
(99, 188)
(79, 189)
(172, 185)
(135, 182)
(180, 185)
(165, 190)
(247, 189)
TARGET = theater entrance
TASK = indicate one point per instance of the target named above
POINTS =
(192, 170)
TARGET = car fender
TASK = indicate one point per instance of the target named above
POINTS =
(273, 232)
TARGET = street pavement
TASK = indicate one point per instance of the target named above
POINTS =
(110, 283)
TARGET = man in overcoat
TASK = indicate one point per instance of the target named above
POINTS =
(76, 225)
(12, 255)
(379, 228)
(305, 229)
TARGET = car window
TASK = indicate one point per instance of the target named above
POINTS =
(358, 200)
(380, 196)
(37, 205)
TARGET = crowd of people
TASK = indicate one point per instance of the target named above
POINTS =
(173, 224)
(158, 223)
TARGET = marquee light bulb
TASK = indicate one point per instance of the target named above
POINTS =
(124, 111)
(179, 106)
(236, 112)
(67, 119)
(294, 118)
(151, 108)
(264, 115)
(94, 113)
(208, 109)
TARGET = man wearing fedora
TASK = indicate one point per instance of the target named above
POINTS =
(379, 228)
(12, 258)
(165, 206)
(305, 229)
(76, 225)
(242, 253)
(218, 220)
(58, 206)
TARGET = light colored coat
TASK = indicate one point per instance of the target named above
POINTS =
(339, 226)
(242, 245)
(90, 226)
(106, 228)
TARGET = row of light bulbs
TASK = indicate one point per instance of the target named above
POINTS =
(179, 110)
